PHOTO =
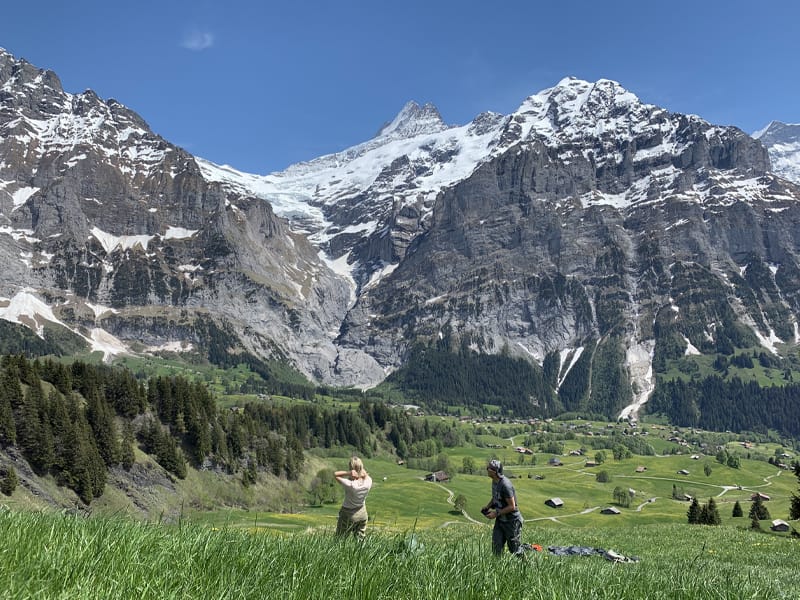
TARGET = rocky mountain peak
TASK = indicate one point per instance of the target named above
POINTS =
(14, 71)
(414, 120)
(575, 109)
(782, 141)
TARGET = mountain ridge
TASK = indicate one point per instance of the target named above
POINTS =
(585, 220)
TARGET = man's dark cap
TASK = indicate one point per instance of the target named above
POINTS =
(496, 466)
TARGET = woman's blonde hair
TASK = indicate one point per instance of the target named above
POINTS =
(358, 466)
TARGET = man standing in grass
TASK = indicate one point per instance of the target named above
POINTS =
(353, 514)
(504, 510)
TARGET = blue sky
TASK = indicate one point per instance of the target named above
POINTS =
(261, 84)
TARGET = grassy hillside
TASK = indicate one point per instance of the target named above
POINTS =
(53, 556)
(401, 499)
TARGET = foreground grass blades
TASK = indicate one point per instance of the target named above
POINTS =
(55, 556)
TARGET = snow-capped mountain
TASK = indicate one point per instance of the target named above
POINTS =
(584, 226)
(783, 143)
(348, 200)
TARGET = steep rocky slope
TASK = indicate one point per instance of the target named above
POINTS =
(122, 237)
(585, 220)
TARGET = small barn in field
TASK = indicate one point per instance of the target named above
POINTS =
(780, 525)
(437, 476)
(610, 510)
(554, 502)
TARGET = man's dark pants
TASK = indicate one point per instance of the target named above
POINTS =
(506, 532)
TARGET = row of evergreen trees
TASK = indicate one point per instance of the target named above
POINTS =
(718, 405)
(441, 375)
(708, 514)
(75, 421)
(437, 377)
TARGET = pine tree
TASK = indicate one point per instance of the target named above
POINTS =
(737, 510)
(101, 419)
(86, 468)
(127, 452)
(713, 517)
(62, 429)
(8, 481)
(758, 510)
(694, 513)
(33, 432)
(705, 517)
(8, 428)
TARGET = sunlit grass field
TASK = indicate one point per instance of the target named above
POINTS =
(46, 555)
(401, 499)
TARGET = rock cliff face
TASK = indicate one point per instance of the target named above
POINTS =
(118, 230)
(669, 227)
(584, 218)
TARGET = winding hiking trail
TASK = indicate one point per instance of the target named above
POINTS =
(645, 503)
(451, 500)
(556, 519)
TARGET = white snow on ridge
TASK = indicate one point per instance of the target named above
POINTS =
(20, 234)
(110, 241)
(171, 347)
(125, 242)
(298, 191)
(690, 348)
(412, 161)
(99, 309)
(26, 309)
(565, 370)
(20, 197)
(102, 341)
(178, 233)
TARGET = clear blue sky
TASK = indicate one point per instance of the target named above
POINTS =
(262, 84)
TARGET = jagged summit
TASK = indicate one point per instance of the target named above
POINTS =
(778, 132)
(782, 141)
(414, 120)
(575, 108)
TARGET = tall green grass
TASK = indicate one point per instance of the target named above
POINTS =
(45, 555)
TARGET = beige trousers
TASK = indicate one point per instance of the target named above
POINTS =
(352, 520)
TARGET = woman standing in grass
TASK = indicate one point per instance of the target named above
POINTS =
(353, 514)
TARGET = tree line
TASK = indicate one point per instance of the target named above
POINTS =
(718, 405)
(75, 421)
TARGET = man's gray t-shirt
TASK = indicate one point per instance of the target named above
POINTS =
(502, 490)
